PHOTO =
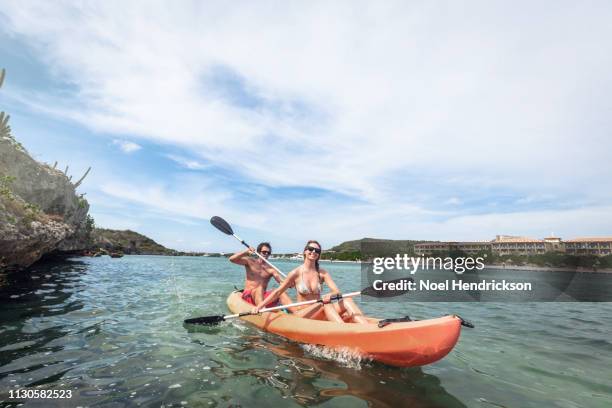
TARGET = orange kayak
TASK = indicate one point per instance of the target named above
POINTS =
(404, 344)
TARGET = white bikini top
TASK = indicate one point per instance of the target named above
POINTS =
(303, 289)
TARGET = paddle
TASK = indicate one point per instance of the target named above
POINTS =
(223, 226)
(213, 320)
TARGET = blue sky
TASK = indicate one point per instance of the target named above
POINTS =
(317, 120)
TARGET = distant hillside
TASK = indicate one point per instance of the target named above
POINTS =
(128, 242)
(387, 245)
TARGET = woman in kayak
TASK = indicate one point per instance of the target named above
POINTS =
(307, 279)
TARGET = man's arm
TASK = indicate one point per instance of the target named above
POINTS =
(278, 277)
(275, 275)
(242, 257)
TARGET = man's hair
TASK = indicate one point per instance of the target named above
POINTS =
(264, 244)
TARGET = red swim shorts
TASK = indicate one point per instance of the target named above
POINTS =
(246, 296)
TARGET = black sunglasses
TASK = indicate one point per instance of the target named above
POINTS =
(311, 249)
(265, 252)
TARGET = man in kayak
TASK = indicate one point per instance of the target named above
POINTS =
(258, 274)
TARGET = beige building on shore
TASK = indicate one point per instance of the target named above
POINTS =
(513, 245)
(589, 246)
(468, 247)
(507, 245)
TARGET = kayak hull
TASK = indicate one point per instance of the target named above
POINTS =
(405, 344)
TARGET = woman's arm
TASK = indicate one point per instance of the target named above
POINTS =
(330, 283)
(277, 292)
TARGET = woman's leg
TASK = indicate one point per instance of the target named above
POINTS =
(352, 309)
(333, 311)
(318, 314)
(332, 314)
(340, 309)
(286, 300)
(311, 312)
(308, 312)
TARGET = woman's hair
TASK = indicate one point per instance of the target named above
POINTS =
(314, 241)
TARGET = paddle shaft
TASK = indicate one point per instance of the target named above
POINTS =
(259, 255)
(306, 302)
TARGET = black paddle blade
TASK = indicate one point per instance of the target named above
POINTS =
(207, 320)
(400, 286)
(222, 225)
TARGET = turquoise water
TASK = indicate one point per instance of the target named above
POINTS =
(111, 331)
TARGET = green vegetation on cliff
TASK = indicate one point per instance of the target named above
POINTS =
(128, 242)
(353, 250)
(40, 210)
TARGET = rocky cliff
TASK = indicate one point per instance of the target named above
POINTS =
(40, 211)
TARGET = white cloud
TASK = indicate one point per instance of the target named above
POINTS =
(186, 162)
(126, 146)
(300, 219)
(453, 201)
(360, 99)
(596, 219)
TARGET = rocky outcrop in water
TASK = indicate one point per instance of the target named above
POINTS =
(40, 211)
